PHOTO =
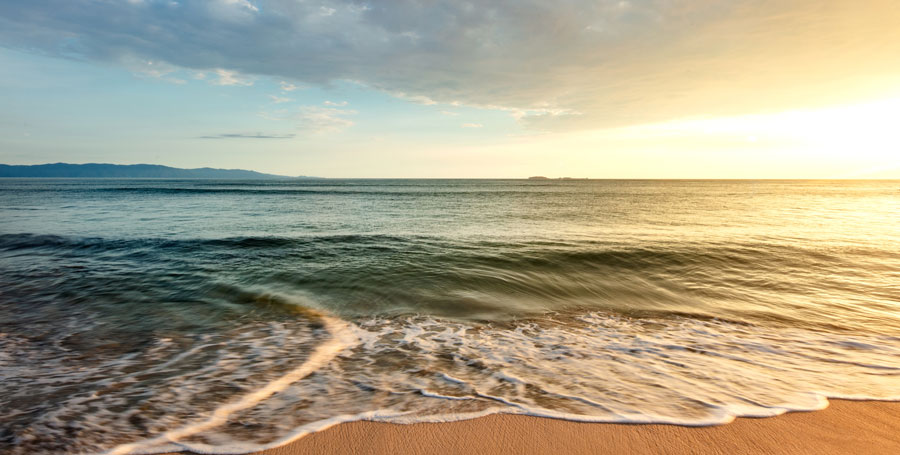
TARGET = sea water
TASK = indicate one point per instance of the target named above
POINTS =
(144, 316)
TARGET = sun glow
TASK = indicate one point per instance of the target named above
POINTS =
(864, 136)
(851, 141)
(861, 130)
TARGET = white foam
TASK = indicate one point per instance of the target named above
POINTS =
(605, 370)
(342, 337)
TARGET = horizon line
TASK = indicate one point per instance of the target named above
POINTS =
(536, 178)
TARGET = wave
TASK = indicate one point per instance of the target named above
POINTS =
(534, 251)
(285, 366)
(25, 241)
(681, 372)
(489, 280)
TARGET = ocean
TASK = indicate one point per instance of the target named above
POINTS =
(145, 316)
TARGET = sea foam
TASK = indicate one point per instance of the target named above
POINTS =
(592, 368)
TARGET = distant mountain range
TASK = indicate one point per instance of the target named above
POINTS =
(128, 171)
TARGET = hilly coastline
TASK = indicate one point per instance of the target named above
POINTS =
(127, 171)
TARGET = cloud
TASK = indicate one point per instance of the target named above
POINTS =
(320, 120)
(419, 99)
(248, 136)
(449, 113)
(472, 125)
(226, 77)
(234, 11)
(288, 87)
(149, 68)
(280, 99)
(152, 69)
(575, 64)
(242, 3)
(311, 119)
(335, 103)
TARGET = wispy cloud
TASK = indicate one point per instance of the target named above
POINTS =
(320, 120)
(230, 10)
(419, 99)
(248, 136)
(152, 69)
(472, 125)
(335, 103)
(449, 113)
(226, 77)
(280, 99)
(242, 3)
(148, 68)
(288, 87)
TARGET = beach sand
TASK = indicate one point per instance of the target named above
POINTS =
(857, 427)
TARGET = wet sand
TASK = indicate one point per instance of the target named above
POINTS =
(858, 427)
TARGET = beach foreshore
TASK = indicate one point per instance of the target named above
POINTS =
(859, 427)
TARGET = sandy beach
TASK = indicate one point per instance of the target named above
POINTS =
(863, 427)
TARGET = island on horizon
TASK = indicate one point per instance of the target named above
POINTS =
(129, 171)
(541, 177)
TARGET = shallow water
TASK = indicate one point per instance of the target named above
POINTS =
(227, 316)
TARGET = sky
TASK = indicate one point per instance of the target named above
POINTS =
(450, 88)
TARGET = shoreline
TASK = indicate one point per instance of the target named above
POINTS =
(870, 427)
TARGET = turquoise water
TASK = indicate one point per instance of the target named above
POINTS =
(227, 316)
